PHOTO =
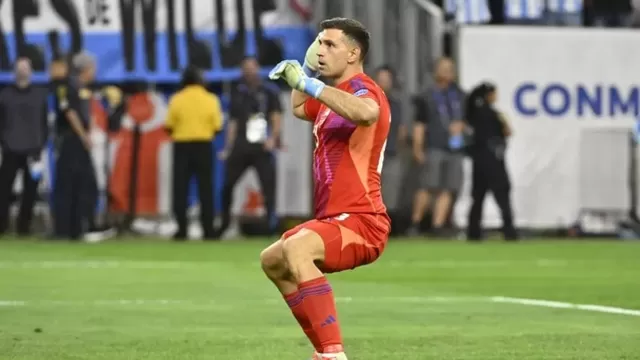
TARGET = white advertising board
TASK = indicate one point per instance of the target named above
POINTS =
(568, 94)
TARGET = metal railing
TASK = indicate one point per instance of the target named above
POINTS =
(424, 26)
(409, 37)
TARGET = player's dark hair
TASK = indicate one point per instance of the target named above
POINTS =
(192, 76)
(353, 29)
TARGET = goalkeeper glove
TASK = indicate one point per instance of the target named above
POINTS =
(310, 65)
(291, 71)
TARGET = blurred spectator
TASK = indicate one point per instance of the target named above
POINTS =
(193, 119)
(490, 131)
(75, 187)
(468, 11)
(23, 134)
(252, 135)
(635, 14)
(517, 12)
(563, 12)
(396, 140)
(610, 13)
(497, 10)
(439, 118)
(59, 79)
(115, 106)
(58, 70)
(524, 12)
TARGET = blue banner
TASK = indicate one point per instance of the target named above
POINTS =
(155, 46)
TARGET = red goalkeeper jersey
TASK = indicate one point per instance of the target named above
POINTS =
(348, 159)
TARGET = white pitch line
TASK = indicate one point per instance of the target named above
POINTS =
(99, 264)
(453, 264)
(116, 264)
(168, 302)
(565, 305)
(11, 303)
(356, 300)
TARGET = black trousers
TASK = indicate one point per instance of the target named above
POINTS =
(75, 189)
(194, 158)
(12, 162)
(490, 174)
(240, 159)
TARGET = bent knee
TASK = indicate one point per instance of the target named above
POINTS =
(272, 259)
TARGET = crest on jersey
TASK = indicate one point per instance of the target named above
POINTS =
(361, 92)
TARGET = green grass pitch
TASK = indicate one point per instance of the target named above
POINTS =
(437, 300)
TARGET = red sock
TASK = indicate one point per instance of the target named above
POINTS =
(296, 304)
(321, 311)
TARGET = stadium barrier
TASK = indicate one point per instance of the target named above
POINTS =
(572, 103)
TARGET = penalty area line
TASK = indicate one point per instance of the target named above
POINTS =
(183, 302)
(564, 305)
(344, 300)
(137, 264)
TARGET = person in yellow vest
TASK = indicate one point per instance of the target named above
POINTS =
(194, 118)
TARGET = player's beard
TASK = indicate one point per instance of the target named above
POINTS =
(325, 76)
(328, 76)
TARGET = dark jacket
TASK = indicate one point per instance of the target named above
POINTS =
(488, 129)
(608, 7)
(23, 119)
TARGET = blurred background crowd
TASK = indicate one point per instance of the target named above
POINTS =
(156, 118)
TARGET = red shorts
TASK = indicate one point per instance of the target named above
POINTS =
(350, 240)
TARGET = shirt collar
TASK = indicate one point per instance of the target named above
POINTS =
(24, 89)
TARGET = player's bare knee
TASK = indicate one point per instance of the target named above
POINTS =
(272, 261)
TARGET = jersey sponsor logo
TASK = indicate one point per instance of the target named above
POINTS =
(361, 92)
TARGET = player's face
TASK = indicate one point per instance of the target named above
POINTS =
(335, 53)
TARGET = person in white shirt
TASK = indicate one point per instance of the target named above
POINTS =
(468, 11)
(635, 14)
(528, 12)
(564, 12)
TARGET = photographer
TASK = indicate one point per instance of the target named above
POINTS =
(489, 143)
(252, 137)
